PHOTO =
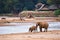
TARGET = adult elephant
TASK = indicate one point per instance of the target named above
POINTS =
(42, 25)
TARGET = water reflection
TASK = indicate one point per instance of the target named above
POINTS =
(23, 27)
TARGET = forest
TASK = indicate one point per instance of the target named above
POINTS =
(16, 6)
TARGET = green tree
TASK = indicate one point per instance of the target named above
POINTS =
(57, 12)
(16, 6)
(55, 2)
(1, 6)
(6, 5)
(43, 1)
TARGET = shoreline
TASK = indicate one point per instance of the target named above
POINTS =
(50, 35)
(36, 19)
(27, 33)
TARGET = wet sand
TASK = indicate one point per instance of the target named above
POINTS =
(50, 35)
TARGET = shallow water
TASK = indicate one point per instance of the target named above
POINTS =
(23, 27)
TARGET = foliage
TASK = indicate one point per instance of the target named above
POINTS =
(53, 1)
(16, 6)
(57, 12)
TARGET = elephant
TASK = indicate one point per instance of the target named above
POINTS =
(42, 25)
(33, 28)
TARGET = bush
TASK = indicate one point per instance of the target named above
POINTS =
(57, 12)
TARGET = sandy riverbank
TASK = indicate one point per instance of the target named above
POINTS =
(50, 35)
(36, 19)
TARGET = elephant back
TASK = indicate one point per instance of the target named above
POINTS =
(42, 24)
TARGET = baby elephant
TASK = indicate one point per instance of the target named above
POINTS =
(33, 28)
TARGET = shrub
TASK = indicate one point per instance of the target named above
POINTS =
(57, 12)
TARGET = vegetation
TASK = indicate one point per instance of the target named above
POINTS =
(54, 2)
(16, 6)
(57, 12)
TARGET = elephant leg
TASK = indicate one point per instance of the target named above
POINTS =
(45, 30)
(31, 30)
(40, 29)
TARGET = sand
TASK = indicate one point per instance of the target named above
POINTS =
(36, 19)
(50, 35)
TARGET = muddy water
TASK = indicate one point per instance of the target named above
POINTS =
(23, 27)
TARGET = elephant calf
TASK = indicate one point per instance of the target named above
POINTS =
(33, 28)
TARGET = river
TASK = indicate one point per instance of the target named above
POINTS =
(24, 27)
